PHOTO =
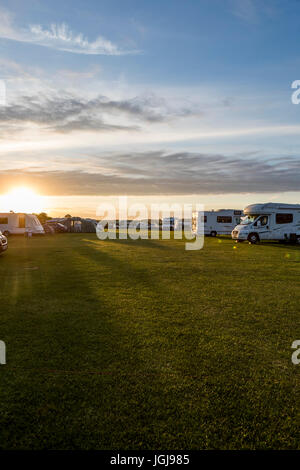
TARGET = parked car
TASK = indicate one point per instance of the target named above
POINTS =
(3, 243)
(49, 229)
(57, 226)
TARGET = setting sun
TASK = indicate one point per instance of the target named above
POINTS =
(21, 199)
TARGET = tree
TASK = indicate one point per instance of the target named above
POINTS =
(68, 216)
(43, 217)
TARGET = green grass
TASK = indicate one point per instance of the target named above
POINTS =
(143, 345)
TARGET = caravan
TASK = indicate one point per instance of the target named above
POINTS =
(271, 221)
(220, 222)
(15, 223)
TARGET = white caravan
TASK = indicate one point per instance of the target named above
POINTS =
(15, 223)
(270, 221)
(220, 222)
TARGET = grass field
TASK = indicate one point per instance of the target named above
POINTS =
(143, 345)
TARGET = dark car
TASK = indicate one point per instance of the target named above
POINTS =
(3, 243)
(49, 229)
(57, 226)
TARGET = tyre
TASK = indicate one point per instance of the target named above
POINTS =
(253, 238)
(6, 233)
(213, 234)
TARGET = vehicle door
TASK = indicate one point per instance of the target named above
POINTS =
(263, 227)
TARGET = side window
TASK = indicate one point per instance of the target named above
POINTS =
(261, 221)
(264, 220)
(3, 220)
(21, 221)
(224, 219)
(284, 218)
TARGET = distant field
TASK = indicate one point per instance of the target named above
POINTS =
(143, 345)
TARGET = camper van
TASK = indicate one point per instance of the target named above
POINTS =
(271, 221)
(15, 223)
(220, 222)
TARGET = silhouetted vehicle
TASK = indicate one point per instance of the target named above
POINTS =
(57, 226)
(49, 229)
(3, 243)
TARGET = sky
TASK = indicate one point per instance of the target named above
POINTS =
(163, 98)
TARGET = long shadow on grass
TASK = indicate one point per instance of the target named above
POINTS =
(274, 244)
(142, 397)
(89, 379)
(159, 392)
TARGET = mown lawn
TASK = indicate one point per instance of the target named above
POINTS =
(143, 345)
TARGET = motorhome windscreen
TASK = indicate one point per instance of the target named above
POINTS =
(248, 219)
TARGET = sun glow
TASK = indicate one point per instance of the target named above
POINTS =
(21, 199)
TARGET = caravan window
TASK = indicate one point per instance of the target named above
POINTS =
(22, 221)
(3, 220)
(224, 219)
(284, 218)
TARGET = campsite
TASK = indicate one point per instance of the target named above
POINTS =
(139, 344)
(149, 229)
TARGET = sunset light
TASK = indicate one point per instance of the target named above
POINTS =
(21, 199)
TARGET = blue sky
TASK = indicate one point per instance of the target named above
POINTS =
(151, 97)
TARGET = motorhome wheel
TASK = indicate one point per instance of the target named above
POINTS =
(253, 238)
(213, 234)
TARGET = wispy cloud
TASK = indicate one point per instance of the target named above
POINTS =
(158, 172)
(57, 36)
(251, 11)
(66, 112)
(245, 9)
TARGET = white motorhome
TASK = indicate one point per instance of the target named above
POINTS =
(16, 223)
(220, 222)
(270, 221)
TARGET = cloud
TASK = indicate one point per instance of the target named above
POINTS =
(57, 36)
(251, 11)
(148, 173)
(246, 10)
(66, 112)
